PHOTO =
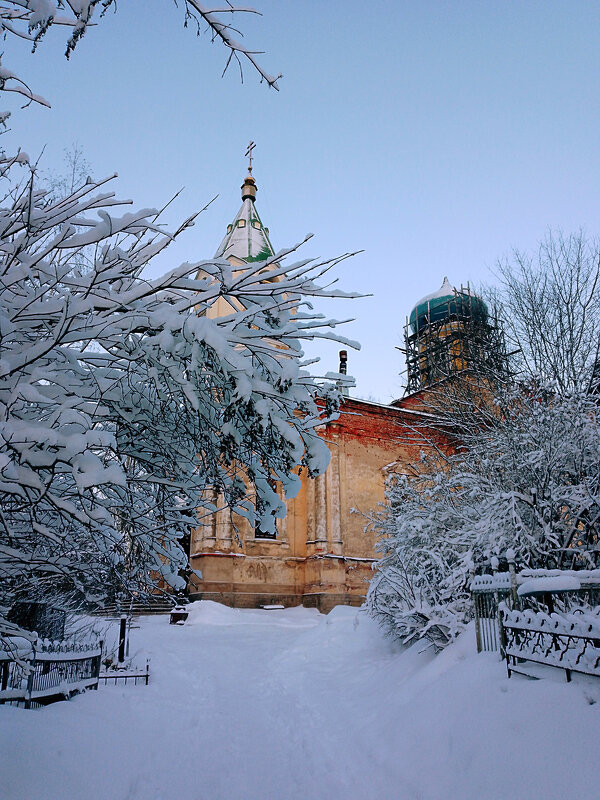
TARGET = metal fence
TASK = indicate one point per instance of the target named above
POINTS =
(488, 592)
(564, 641)
(549, 594)
(47, 673)
(126, 675)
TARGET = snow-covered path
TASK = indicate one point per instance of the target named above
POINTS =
(283, 705)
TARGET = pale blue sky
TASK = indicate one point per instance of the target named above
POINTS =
(436, 136)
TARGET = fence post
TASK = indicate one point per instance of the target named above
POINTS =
(568, 671)
(30, 678)
(475, 598)
(510, 557)
(495, 564)
(501, 632)
(476, 603)
(97, 665)
(122, 637)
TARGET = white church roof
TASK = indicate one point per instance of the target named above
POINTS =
(246, 237)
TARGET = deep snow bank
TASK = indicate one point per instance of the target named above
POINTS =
(286, 704)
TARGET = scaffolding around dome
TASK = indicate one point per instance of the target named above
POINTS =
(450, 332)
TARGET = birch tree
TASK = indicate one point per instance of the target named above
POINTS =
(550, 307)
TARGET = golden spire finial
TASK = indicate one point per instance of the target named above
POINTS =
(249, 185)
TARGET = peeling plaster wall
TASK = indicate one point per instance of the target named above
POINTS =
(322, 555)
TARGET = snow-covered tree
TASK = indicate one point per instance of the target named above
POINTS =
(530, 482)
(121, 401)
(550, 308)
(520, 468)
(123, 406)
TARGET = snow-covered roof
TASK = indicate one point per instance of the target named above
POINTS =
(246, 237)
(445, 290)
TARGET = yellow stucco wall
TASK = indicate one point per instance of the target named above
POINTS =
(322, 555)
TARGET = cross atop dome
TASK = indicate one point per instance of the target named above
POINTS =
(249, 189)
(246, 238)
(249, 150)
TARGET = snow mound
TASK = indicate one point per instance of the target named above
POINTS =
(292, 704)
(208, 612)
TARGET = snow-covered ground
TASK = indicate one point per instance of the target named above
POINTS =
(286, 704)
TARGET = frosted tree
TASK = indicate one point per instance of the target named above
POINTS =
(519, 463)
(550, 307)
(75, 170)
(123, 406)
(418, 591)
(31, 19)
(529, 482)
(122, 402)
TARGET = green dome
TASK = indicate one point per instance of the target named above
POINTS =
(445, 304)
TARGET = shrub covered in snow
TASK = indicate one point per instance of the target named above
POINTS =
(529, 481)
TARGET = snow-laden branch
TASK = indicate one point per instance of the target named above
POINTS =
(30, 20)
(124, 406)
(215, 20)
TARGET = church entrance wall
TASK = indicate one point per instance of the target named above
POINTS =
(324, 550)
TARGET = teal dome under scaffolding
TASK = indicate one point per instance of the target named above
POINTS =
(445, 304)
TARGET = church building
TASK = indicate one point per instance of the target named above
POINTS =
(323, 550)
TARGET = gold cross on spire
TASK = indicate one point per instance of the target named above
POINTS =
(249, 150)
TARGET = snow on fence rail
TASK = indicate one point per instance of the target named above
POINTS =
(513, 588)
(46, 672)
(567, 641)
(587, 577)
(490, 583)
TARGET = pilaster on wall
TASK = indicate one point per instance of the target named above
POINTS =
(204, 537)
(321, 512)
(323, 507)
(223, 526)
(282, 524)
(216, 530)
(334, 521)
(311, 532)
